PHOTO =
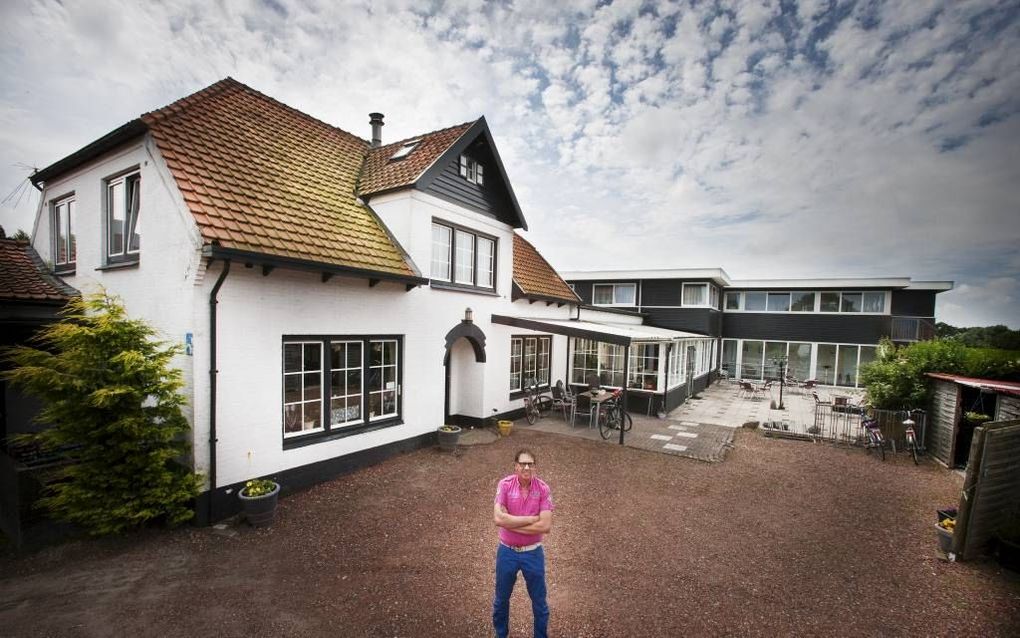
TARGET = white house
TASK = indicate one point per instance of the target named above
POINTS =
(338, 299)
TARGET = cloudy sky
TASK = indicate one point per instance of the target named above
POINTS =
(769, 138)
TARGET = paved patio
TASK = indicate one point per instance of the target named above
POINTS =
(702, 428)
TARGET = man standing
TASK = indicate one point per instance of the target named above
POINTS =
(523, 512)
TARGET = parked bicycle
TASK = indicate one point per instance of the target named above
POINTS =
(534, 403)
(913, 445)
(873, 436)
(613, 416)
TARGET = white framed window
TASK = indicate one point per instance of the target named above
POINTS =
(677, 364)
(471, 170)
(695, 295)
(755, 301)
(529, 360)
(802, 302)
(597, 360)
(614, 295)
(123, 205)
(463, 257)
(713, 296)
(732, 300)
(340, 384)
(826, 301)
(62, 224)
(643, 372)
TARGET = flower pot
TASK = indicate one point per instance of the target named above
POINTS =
(448, 436)
(505, 427)
(260, 510)
(945, 539)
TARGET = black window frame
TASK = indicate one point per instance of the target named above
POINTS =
(452, 260)
(68, 266)
(330, 432)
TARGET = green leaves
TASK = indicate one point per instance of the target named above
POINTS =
(111, 401)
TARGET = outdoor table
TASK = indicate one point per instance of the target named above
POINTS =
(597, 398)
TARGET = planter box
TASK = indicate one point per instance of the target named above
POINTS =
(945, 539)
(260, 510)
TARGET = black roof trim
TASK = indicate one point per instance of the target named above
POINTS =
(542, 326)
(264, 259)
(108, 142)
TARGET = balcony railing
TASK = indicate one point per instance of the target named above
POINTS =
(912, 329)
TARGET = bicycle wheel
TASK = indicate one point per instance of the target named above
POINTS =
(608, 421)
(880, 444)
(628, 422)
(530, 411)
(912, 444)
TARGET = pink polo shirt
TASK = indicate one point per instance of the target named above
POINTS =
(539, 499)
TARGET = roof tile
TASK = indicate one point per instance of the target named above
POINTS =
(24, 276)
(381, 173)
(535, 277)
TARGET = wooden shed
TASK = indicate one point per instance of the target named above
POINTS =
(950, 433)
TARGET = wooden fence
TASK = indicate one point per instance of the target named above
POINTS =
(991, 490)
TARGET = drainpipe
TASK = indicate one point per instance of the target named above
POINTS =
(212, 384)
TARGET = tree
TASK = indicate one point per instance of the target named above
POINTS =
(110, 397)
(21, 235)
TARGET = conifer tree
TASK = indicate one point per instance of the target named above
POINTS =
(112, 405)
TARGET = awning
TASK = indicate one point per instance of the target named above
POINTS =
(616, 333)
(992, 385)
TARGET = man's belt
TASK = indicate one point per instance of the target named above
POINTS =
(521, 548)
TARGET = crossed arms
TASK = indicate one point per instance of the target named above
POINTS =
(522, 524)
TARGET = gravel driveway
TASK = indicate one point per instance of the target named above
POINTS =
(782, 538)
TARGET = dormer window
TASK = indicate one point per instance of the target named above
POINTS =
(471, 170)
(405, 150)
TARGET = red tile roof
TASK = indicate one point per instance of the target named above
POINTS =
(381, 173)
(260, 176)
(535, 277)
(24, 276)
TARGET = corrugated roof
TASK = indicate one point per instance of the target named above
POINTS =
(383, 173)
(535, 277)
(260, 176)
(1002, 387)
(24, 276)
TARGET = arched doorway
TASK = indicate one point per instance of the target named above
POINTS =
(463, 360)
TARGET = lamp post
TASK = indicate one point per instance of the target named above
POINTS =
(780, 362)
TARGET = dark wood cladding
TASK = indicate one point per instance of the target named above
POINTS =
(583, 290)
(661, 292)
(810, 327)
(492, 198)
(700, 320)
(913, 303)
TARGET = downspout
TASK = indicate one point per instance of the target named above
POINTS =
(212, 384)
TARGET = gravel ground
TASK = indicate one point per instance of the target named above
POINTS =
(782, 538)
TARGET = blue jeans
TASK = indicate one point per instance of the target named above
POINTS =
(532, 565)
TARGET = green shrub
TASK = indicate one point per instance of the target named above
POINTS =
(109, 395)
(896, 379)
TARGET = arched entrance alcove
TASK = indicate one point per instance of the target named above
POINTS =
(464, 360)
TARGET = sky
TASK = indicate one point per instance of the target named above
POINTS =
(821, 138)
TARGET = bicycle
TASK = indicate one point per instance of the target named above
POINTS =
(613, 415)
(535, 404)
(911, 437)
(874, 436)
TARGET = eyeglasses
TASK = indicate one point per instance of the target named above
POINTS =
(526, 463)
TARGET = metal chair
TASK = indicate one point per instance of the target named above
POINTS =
(563, 400)
(582, 406)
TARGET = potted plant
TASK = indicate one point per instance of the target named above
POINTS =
(258, 497)
(448, 436)
(504, 427)
(976, 418)
(944, 528)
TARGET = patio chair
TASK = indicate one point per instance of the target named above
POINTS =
(810, 384)
(748, 389)
(581, 406)
(563, 400)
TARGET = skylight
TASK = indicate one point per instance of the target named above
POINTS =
(405, 150)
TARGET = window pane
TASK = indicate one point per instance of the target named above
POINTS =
(313, 354)
(313, 415)
(292, 357)
(733, 301)
(874, 302)
(292, 388)
(337, 355)
(799, 365)
(829, 302)
(602, 294)
(134, 192)
(825, 369)
(292, 418)
(729, 357)
(354, 382)
(695, 294)
(73, 255)
(774, 351)
(60, 233)
(375, 353)
(851, 302)
(626, 294)
(313, 386)
(868, 355)
(486, 262)
(354, 355)
(750, 359)
(779, 301)
(440, 252)
(802, 302)
(465, 256)
(115, 217)
(754, 301)
(847, 374)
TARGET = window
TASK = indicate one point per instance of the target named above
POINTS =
(874, 302)
(677, 365)
(755, 301)
(356, 371)
(471, 170)
(644, 366)
(830, 302)
(729, 357)
(596, 359)
(778, 302)
(802, 301)
(405, 150)
(851, 302)
(614, 294)
(695, 295)
(462, 257)
(529, 359)
(123, 202)
(62, 225)
(733, 301)
(713, 297)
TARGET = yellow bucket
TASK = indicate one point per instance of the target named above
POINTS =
(504, 427)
